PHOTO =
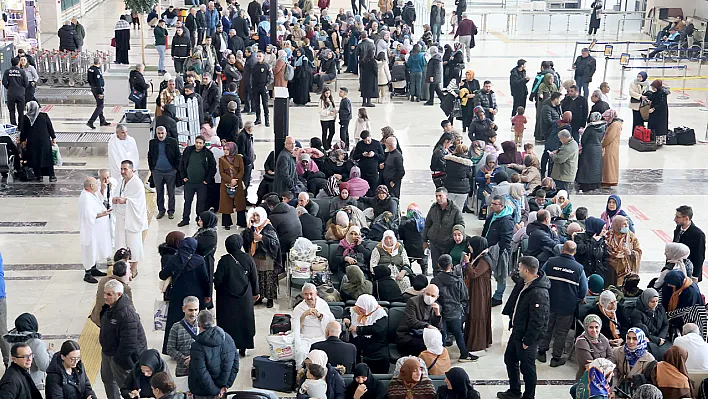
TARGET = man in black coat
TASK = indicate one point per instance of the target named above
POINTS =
(260, 78)
(689, 234)
(191, 24)
(213, 362)
(543, 237)
(69, 40)
(240, 24)
(17, 383)
(211, 94)
(584, 67)
(122, 338)
(251, 61)
(163, 160)
(569, 285)
(369, 154)
(197, 169)
(518, 82)
(285, 172)
(181, 49)
(229, 124)
(393, 170)
(578, 106)
(421, 312)
(254, 12)
(285, 220)
(499, 229)
(168, 120)
(15, 81)
(312, 228)
(338, 352)
(231, 94)
(244, 142)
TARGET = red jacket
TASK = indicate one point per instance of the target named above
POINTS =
(466, 28)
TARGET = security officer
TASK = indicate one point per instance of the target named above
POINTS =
(95, 79)
(15, 82)
(260, 77)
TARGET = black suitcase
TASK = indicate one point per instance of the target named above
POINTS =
(638, 145)
(685, 135)
(245, 395)
(274, 375)
(280, 323)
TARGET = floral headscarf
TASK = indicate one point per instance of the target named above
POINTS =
(632, 355)
(609, 115)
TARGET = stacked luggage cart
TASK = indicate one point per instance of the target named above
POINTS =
(67, 68)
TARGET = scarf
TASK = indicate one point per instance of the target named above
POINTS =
(485, 168)
(672, 373)
(413, 212)
(647, 295)
(393, 249)
(356, 284)
(598, 383)
(607, 297)
(433, 341)
(677, 253)
(349, 247)
(592, 318)
(406, 375)
(257, 228)
(209, 222)
(674, 301)
(232, 151)
(32, 111)
(372, 310)
(632, 355)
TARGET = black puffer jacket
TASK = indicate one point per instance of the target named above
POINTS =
(518, 83)
(437, 160)
(541, 241)
(211, 94)
(528, 310)
(122, 336)
(592, 254)
(68, 38)
(459, 172)
(500, 231)
(60, 386)
(453, 295)
(287, 224)
(656, 321)
(213, 362)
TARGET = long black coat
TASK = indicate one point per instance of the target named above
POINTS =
(590, 160)
(206, 247)
(39, 140)
(236, 283)
(59, 386)
(659, 119)
(592, 254)
(16, 383)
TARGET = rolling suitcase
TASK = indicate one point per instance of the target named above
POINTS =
(280, 323)
(273, 375)
(685, 135)
(641, 146)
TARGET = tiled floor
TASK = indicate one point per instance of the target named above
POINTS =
(39, 237)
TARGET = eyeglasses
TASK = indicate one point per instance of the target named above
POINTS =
(30, 356)
(74, 359)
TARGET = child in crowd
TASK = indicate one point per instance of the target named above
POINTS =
(491, 147)
(539, 201)
(453, 22)
(345, 116)
(528, 150)
(315, 386)
(566, 206)
(362, 122)
(519, 122)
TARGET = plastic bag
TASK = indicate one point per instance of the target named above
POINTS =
(300, 269)
(282, 346)
(303, 250)
(56, 155)
(160, 315)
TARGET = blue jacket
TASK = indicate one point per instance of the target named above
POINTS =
(416, 63)
(213, 363)
(542, 241)
(212, 18)
(568, 283)
(2, 279)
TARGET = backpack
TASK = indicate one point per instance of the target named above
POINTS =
(289, 72)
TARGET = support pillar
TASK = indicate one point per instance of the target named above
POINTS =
(281, 117)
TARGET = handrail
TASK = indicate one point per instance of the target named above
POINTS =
(683, 96)
(622, 21)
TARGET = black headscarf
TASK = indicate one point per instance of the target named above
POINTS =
(460, 383)
(26, 322)
(234, 244)
(151, 358)
(374, 387)
(209, 222)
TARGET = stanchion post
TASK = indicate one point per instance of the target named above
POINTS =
(604, 74)
(622, 96)
(700, 58)
(705, 105)
(627, 49)
(663, 70)
(575, 53)
(683, 95)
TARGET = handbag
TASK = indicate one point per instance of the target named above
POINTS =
(136, 96)
(25, 173)
(457, 109)
(644, 109)
(168, 289)
(113, 42)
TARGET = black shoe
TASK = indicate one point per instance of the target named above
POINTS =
(89, 124)
(469, 358)
(507, 395)
(257, 122)
(170, 215)
(541, 357)
(449, 340)
(269, 304)
(242, 352)
(496, 302)
(467, 210)
(89, 278)
(182, 224)
(428, 103)
(105, 124)
(227, 227)
(370, 105)
(160, 215)
(39, 179)
(259, 301)
(97, 273)
(557, 362)
(267, 123)
(52, 179)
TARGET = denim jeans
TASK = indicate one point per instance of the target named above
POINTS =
(454, 327)
(584, 88)
(501, 286)
(435, 29)
(161, 60)
(170, 21)
(416, 84)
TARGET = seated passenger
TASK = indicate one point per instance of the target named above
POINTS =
(542, 238)
(561, 199)
(354, 284)
(435, 355)
(421, 312)
(382, 202)
(340, 353)
(303, 199)
(632, 359)
(387, 287)
(417, 287)
(342, 199)
(697, 347)
(389, 252)
(310, 318)
(595, 381)
(606, 309)
(538, 201)
(334, 380)
(458, 386)
(138, 379)
(373, 388)
(591, 344)
(311, 225)
(650, 316)
(676, 259)
(350, 251)
(671, 375)
(358, 187)
(337, 230)
(410, 383)
(370, 329)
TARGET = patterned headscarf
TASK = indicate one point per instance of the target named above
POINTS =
(595, 118)
(609, 115)
(633, 355)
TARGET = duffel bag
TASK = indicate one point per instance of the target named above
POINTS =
(685, 135)
(642, 133)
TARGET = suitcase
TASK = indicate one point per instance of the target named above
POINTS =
(641, 146)
(246, 395)
(685, 135)
(273, 375)
(280, 323)
(641, 133)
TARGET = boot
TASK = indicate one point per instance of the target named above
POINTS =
(89, 278)
(96, 273)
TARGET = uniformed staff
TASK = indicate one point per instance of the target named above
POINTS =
(15, 82)
(95, 79)
(260, 78)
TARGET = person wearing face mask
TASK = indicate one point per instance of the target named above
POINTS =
(624, 251)
(137, 385)
(591, 344)
(421, 312)
(592, 249)
(650, 316)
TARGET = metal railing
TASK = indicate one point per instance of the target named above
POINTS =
(663, 68)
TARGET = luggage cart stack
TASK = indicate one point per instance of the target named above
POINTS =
(68, 68)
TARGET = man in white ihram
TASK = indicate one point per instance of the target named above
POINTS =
(131, 214)
(108, 187)
(95, 234)
(309, 321)
(121, 146)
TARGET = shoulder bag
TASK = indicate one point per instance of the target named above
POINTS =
(168, 290)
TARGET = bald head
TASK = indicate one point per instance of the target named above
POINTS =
(391, 143)
(569, 247)
(333, 329)
(432, 290)
(90, 184)
(290, 144)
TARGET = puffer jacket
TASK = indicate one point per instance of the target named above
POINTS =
(656, 321)
(453, 295)
(437, 160)
(434, 70)
(541, 241)
(286, 223)
(549, 114)
(68, 38)
(122, 336)
(60, 386)
(592, 254)
(518, 83)
(459, 172)
(528, 310)
(213, 362)
(42, 356)
(439, 224)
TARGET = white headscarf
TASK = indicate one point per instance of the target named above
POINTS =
(261, 212)
(433, 340)
(318, 357)
(393, 249)
(372, 310)
(607, 297)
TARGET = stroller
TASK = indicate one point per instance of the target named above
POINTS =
(399, 83)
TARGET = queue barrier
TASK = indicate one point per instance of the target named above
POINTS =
(594, 43)
(683, 95)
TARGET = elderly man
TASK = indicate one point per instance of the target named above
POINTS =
(229, 123)
(309, 321)
(442, 217)
(131, 214)
(17, 383)
(565, 161)
(692, 341)
(122, 338)
(285, 172)
(422, 311)
(338, 352)
(121, 147)
(179, 342)
(303, 200)
(466, 31)
(163, 161)
(213, 362)
(393, 171)
(95, 230)
(120, 274)
(599, 105)
(584, 67)
(107, 189)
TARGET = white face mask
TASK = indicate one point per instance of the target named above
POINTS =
(429, 300)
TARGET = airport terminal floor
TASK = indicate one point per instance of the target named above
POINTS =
(39, 237)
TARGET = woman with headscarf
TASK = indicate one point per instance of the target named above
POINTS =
(671, 375)
(477, 274)
(544, 91)
(590, 163)
(552, 141)
(389, 252)
(509, 154)
(460, 244)
(279, 70)
(457, 386)
(337, 162)
(486, 173)
(468, 89)
(481, 127)
(595, 381)
(659, 111)
(632, 359)
(647, 391)
(357, 186)
(650, 316)
(369, 325)
(606, 309)
(341, 195)
(676, 259)
(261, 242)
(338, 226)
(591, 344)
(409, 230)
(517, 200)
(37, 136)
(137, 384)
(435, 355)
(206, 237)
(236, 283)
(437, 159)
(625, 254)
(299, 86)
(352, 64)
(355, 284)
(637, 90)
(679, 292)
(188, 276)
(170, 246)
(410, 383)
(350, 251)
(231, 169)
(122, 39)
(610, 148)
(334, 380)
(26, 331)
(591, 250)
(364, 385)
(614, 208)
(383, 202)
(563, 201)
(630, 287)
